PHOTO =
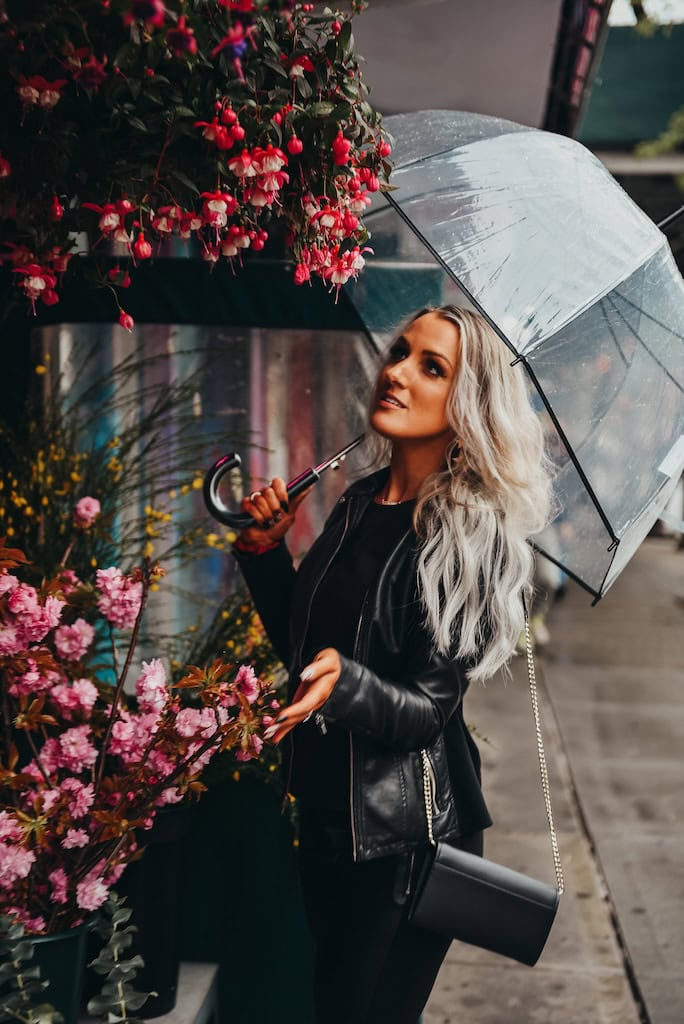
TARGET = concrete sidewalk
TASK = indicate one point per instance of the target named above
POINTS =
(613, 717)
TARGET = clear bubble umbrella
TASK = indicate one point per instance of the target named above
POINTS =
(532, 230)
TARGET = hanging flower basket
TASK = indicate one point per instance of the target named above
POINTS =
(139, 121)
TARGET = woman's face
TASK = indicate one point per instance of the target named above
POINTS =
(414, 384)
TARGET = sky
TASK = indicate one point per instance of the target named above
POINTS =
(667, 11)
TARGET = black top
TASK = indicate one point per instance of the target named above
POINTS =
(320, 767)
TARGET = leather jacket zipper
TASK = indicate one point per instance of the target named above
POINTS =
(357, 639)
(297, 659)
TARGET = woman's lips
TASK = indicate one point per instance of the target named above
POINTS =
(389, 401)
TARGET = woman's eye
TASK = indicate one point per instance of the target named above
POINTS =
(434, 368)
(396, 353)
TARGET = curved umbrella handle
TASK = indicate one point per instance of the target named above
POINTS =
(241, 520)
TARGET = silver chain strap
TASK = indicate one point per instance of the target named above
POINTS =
(542, 759)
(427, 790)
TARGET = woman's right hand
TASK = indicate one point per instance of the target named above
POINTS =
(273, 512)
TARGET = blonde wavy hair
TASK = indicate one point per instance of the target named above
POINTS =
(475, 517)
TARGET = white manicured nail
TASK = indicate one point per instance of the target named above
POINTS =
(306, 674)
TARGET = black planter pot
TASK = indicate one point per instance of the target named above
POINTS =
(151, 887)
(61, 958)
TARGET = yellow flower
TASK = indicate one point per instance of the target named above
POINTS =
(197, 483)
(225, 614)
(236, 776)
(28, 511)
(148, 550)
(40, 369)
(10, 531)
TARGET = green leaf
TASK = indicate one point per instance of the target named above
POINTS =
(184, 112)
(303, 88)
(136, 122)
(322, 109)
(184, 180)
(126, 56)
(345, 42)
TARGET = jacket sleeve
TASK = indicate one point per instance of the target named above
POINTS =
(270, 578)
(406, 713)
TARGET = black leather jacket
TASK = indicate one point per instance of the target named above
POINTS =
(396, 696)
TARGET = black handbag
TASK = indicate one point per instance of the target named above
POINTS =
(463, 896)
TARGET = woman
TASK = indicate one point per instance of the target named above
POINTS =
(413, 589)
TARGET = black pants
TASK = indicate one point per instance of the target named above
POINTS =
(371, 966)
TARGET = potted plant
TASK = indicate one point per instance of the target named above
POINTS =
(84, 767)
(144, 122)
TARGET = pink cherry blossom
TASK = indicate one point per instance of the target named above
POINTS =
(91, 892)
(195, 722)
(72, 642)
(10, 640)
(58, 881)
(15, 862)
(86, 512)
(8, 582)
(75, 838)
(32, 681)
(50, 798)
(253, 750)
(120, 597)
(9, 826)
(81, 796)
(76, 750)
(151, 686)
(247, 683)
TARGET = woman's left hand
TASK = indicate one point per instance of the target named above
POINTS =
(318, 681)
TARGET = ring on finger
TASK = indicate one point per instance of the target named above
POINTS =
(254, 495)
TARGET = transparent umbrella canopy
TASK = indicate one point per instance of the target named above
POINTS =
(530, 229)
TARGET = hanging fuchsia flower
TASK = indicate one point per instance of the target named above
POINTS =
(110, 218)
(5, 167)
(141, 247)
(242, 165)
(217, 208)
(38, 283)
(341, 148)
(151, 12)
(38, 91)
(91, 73)
(126, 321)
(181, 39)
(302, 274)
(299, 65)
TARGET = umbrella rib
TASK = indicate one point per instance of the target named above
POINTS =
(596, 594)
(518, 358)
(623, 357)
(641, 340)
